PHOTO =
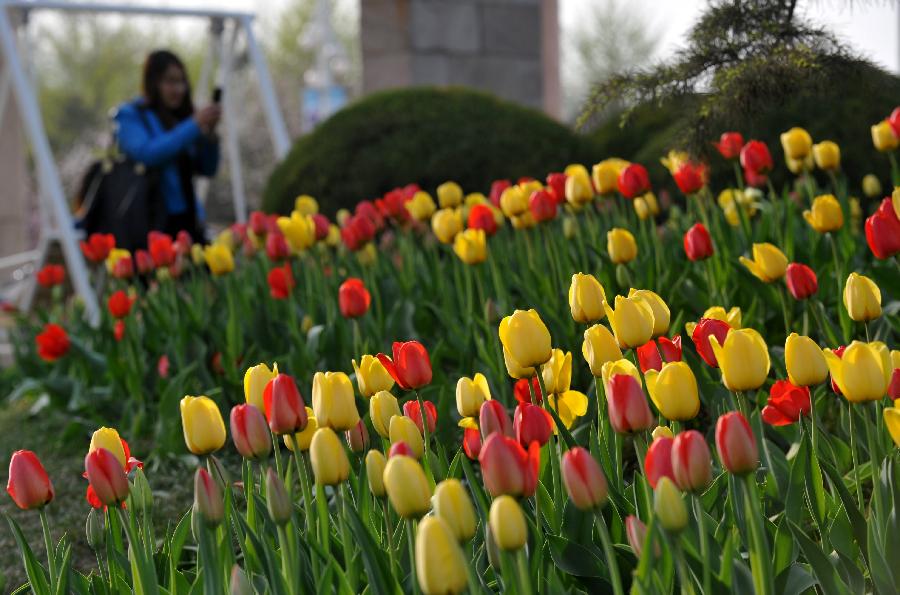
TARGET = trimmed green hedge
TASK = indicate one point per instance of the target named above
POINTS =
(423, 135)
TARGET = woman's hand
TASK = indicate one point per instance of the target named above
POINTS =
(207, 118)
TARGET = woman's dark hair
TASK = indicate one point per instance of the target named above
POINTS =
(155, 67)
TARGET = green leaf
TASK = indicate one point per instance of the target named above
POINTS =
(576, 559)
(794, 581)
(825, 573)
(381, 580)
(857, 522)
(37, 575)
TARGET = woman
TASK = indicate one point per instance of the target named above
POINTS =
(162, 131)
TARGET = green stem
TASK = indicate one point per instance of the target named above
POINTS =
(609, 553)
(704, 543)
(524, 577)
(304, 488)
(760, 559)
(48, 544)
(684, 573)
(411, 546)
(387, 533)
(349, 566)
(855, 456)
(324, 530)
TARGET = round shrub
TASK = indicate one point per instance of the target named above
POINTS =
(422, 135)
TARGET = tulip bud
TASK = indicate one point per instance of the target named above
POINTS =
(801, 281)
(278, 502)
(804, 360)
(636, 533)
(883, 228)
(28, 485)
(255, 380)
(661, 432)
(669, 506)
(470, 245)
(409, 364)
(768, 263)
(584, 479)
(862, 372)
(358, 437)
(633, 180)
(334, 402)
(658, 460)
(382, 407)
(892, 423)
(508, 524)
(871, 186)
(532, 424)
(525, 338)
(411, 410)
(557, 372)
(400, 448)
(674, 391)
(107, 476)
(452, 503)
(446, 223)
(599, 347)
(632, 320)
(862, 298)
(578, 187)
(507, 468)
(736, 444)
(470, 394)
(827, 155)
(691, 463)
(140, 497)
(493, 418)
(208, 498)
(353, 298)
(621, 246)
(403, 429)
(825, 215)
(250, 432)
(628, 410)
(472, 443)
(329, 460)
(93, 530)
(797, 143)
(109, 439)
(204, 430)
(371, 376)
(606, 175)
(407, 487)
(375, 464)
(884, 138)
(698, 243)
(303, 439)
(586, 297)
(440, 564)
(743, 358)
(240, 584)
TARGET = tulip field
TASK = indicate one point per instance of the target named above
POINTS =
(573, 383)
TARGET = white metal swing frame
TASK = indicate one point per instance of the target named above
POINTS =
(56, 224)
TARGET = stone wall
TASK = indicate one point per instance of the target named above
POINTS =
(506, 47)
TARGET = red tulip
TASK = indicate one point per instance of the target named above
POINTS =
(258, 223)
(28, 485)
(786, 403)
(507, 468)
(250, 432)
(123, 268)
(322, 226)
(584, 479)
(894, 121)
(365, 208)
(691, 462)
(633, 180)
(690, 177)
(532, 424)
(281, 282)
(471, 443)
(162, 249)
(106, 476)
(492, 418)
(729, 145)
(893, 391)
(162, 366)
(556, 187)
(705, 328)
(52, 342)
(523, 393)
(411, 410)
(482, 217)
(736, 444)
(698, 243)
(801, 281)
(119, 330)
(358, 230)
(542, 206)
(628, 410)
(658, 461)
(497, 188)
(98, 246)
(358, 437)
(755, 179)
(393, 205)
(119, 304)
(143, 261)
(883, 231)
(840, 353)
(285, 409)
(652, 357)
(208, 500)
(353, 298)
(400, 448)
(276, 246)
(636, 533)
(51, 275)
(756, 158)
(410, 365)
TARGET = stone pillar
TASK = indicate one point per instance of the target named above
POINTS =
(507, 47)
(14, 195)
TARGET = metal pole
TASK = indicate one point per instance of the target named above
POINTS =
(232, 142)
(47, 172)
(277, 128)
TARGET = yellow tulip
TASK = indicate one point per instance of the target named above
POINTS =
(255, 380)
(797, 143)
(827, 155)
(674, 160)
(375, 464)
(825, 215)
(342, 216)
(883, 137)
(421, 206)
(403, 429)
(470, 246)
(407, 487)
(863, 372)
(306, 205)
(632, 321)
(302, 440)
(333, 238)
(526, 338)
(109, 439)
(652, 203)
(674, 391)
(449, 195)
(669, 507)
(453, 504)
(657, 305)
(732, 317)
(606, 175)
(661, 432)
(508, 523)
(367, 255)
(578, 188)
(334, 402)
(871, 186)
(743, 359)
(475, 198)
(513, 201)
(569, 405)
(574, 169)
(299, 230)
(804, 360)
(328, 457)
(446, 223)
(440, 563)
(226, 238)
(570, 227)
(557, 372)
(620, 366)
(892, 422)
(382, 407)
(586, 297)
(768, 264)
(621, 245)
(471, 393)
(895, 200)
(117, 254)
(371, 377)
(599, 346)
(514, 369)
(862, 298)
(641, 209)
(204, 430)
(524, 221)
(798, 166)
(218, 259)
